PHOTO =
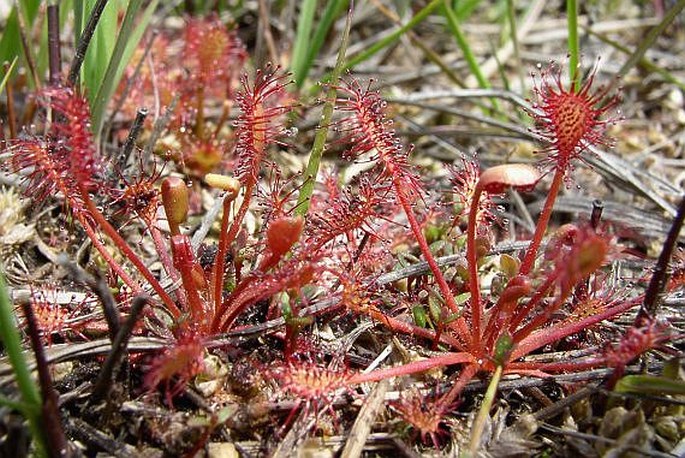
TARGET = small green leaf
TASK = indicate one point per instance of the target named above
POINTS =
(503, 348)
(420, 318)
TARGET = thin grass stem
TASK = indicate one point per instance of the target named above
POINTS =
(393, 37)
(302, 39)
(484, 412)
(84, 39)
(312, 170)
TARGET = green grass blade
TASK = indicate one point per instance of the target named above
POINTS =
(135, 38)
(650, 384)
(28, 388)
(643, 62)
(312, 170)
(573, 41)
(332, 11)
(9, 72)
(10, 43)
(462, 42)
(650, 38)
(100, 49)
(464, 8)
(393, 37)
(127, 40)
(15, 405)
(78, 19)
(302, 40)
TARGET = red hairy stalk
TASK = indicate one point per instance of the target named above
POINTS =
(570, 120)
(348, 211)
(551, 334)
(74, 135)
(368, 129)
(256, 128)
(67, 161)
(493, 181)
(293, 274)
(192, 277)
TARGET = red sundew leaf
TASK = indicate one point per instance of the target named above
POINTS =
(570, 119)
(71, 132)
(212, 53)
(180, 361)
(636, 341)
(367, 129)
(261, 104)
(66, 159)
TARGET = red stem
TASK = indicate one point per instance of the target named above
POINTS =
(183, 254)
(465, 377)
(472, 261)
(413, 330)
(167, 263)
(552, 334)
(543, 222)
(225, 239)
(116, 267)
(127, 251)
(541, 318)
(563, 366)
(224, 305)
(425, 250)
(447, 359)
(239, 304)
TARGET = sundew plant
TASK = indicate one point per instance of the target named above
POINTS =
(234, 282)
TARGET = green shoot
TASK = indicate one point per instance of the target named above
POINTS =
(310, 174)
(31, 401)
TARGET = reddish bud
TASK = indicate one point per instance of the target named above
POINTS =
(517, 288)
(175, 200)
(587, 254)
(283, 233)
